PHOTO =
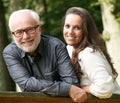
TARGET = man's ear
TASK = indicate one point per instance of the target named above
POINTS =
(12, 35)
(40, 28)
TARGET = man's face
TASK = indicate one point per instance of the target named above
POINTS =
(26, 33)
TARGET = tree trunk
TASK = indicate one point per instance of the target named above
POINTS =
(111, 32)
(6, 83)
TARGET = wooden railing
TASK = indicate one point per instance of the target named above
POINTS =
(35, 97)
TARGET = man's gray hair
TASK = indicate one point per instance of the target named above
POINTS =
(33, 14)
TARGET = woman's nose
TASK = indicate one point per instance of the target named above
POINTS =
(70, 30)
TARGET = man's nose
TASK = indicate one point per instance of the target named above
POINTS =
(25, 34)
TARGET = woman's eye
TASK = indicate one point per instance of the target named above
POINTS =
(67, 26)
(77, 28)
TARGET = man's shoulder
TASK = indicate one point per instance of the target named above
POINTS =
(51, 39)
(10, 47)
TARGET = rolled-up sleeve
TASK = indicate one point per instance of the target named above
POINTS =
(97, 74)
(28, 82)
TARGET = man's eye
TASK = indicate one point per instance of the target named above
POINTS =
(30, 29)
(19, 32)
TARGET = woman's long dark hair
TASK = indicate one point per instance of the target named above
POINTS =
(91, 38)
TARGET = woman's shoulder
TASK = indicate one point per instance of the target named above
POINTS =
(69, 48)
(86, 51)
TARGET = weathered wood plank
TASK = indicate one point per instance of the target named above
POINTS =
(35, 97)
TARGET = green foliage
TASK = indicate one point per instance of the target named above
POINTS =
(51, 12)
(56, 10)
(116, 9)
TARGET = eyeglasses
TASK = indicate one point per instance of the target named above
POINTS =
(29, 30)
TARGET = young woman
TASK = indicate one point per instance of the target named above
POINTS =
(89, 56)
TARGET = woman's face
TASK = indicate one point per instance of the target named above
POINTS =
(72, 29)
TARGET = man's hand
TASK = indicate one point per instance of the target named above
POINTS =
(77, 94)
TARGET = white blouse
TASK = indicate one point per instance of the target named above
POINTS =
(96, 73)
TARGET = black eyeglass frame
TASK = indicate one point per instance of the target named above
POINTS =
(27, 30)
